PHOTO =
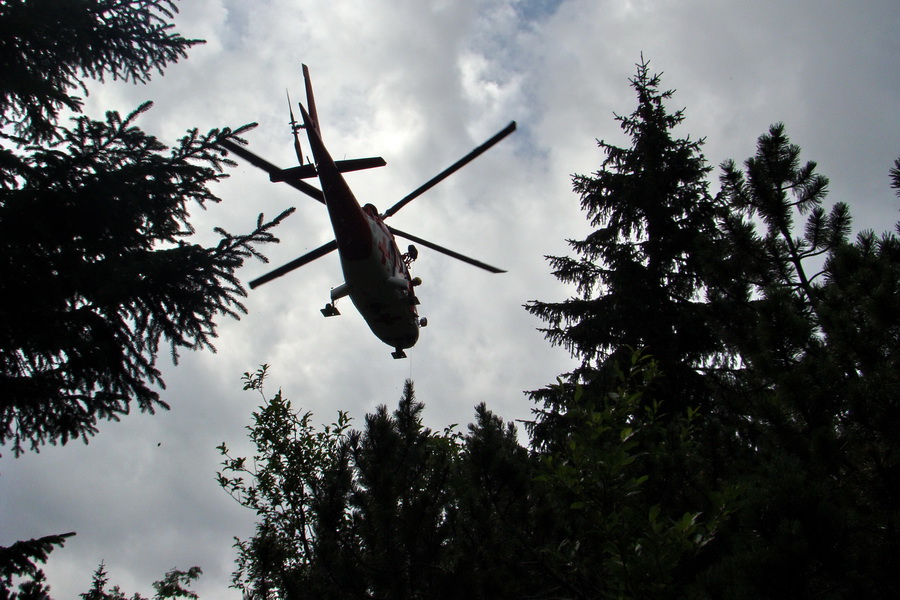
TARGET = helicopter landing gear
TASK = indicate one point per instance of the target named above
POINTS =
(398, 353)
(337, 293)
(330, 310)
(423, 322)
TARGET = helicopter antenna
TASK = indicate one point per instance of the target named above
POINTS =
(295, 127)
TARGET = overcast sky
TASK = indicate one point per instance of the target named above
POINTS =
(421, 82)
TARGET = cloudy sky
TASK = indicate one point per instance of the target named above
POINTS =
(421, 82)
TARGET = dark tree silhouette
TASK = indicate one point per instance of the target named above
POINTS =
(18, 562)
(774, 331)
(639, 275)
(48, 48)
(96, 271)
(394, 510)
(818, 339)
(175, 584)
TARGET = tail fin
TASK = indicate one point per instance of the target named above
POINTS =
(320, 153)
(311, 102)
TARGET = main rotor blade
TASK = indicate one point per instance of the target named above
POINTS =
(443, 250)
(451, 169)
(295, 264)
(271, 169)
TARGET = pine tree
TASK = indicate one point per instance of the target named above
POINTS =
(639, 274)
(18, 567)
(818, 338)
(96, 269)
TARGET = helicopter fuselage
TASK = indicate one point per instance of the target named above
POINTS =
(376, 277)
(380, 287)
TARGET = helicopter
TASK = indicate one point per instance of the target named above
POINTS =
(376, 274)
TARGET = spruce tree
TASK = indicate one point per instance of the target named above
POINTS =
(49, 47)
(639, 275)
(19, 569)
(97, 270)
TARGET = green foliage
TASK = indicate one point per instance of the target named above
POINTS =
(96, 269)
(775, 188)
(18, 562)
(174, 585)
(772, 330)
(501, 519)
(283, 483)
(122, 40)
(638, 274)
(624, 532)
(818, 389)
(394, 510)
(895, 176)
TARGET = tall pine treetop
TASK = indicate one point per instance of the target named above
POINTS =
(638, 274)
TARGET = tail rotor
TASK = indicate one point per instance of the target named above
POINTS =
(295, 128)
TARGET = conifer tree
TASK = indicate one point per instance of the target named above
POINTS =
(175, 584)
(49, 47)
(818, 338)
(773, 331)
(96, 270)
(392, 511)
(639, 274)
(19, 569)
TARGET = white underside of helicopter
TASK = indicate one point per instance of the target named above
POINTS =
(381, 290)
